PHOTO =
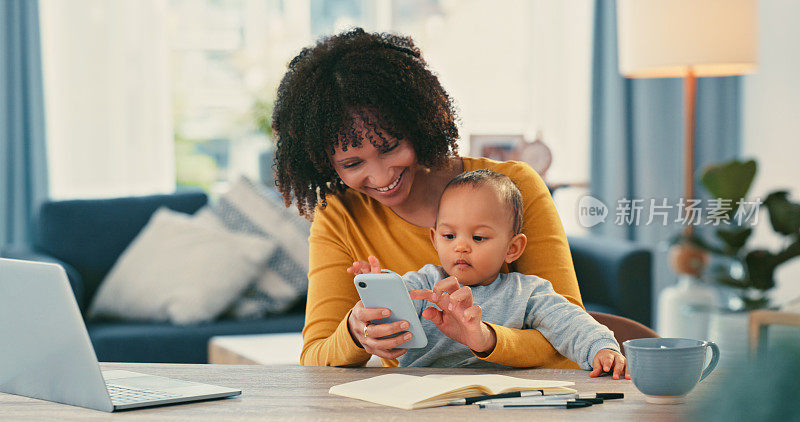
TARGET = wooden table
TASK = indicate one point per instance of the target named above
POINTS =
(301, 393)
(760, 320)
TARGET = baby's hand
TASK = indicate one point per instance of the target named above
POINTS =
(364, 267)
(605, 360)
(459, 318)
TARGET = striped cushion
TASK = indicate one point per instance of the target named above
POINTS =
(251, 208)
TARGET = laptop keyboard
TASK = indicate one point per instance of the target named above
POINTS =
(127, 395)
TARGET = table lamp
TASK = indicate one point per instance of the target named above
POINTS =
(686, 39)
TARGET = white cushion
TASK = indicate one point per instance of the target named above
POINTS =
(180, 270)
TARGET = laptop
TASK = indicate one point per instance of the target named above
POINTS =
(45, 351)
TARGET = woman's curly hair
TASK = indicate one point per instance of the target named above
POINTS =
(379, 78)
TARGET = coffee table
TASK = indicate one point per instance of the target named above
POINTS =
(301, 393)
(260, 349)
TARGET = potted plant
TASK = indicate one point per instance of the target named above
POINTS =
(749, 270)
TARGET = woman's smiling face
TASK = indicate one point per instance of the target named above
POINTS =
(381, 167)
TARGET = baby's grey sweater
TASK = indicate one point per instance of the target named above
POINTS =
(513, 300)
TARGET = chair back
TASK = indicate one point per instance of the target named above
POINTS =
(624, 329)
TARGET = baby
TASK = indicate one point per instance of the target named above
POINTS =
(478, 228)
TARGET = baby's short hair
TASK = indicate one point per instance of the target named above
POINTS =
(502, 184)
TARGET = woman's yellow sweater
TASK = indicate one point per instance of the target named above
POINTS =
(354, 226)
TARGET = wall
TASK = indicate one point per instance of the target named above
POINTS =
(771, 127)
(517, 67)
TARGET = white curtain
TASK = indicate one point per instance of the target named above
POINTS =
(107, 96)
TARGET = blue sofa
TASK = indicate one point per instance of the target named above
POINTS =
(87, 236)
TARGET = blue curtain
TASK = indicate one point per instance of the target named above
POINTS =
(637, 140)
(23, 161)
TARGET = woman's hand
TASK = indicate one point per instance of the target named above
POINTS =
(367, 334)
(372, 266)
(458, 318)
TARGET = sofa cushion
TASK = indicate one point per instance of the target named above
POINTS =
(91, 234)
(180, 271)
(166, 343)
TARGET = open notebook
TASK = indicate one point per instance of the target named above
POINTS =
(412, 392)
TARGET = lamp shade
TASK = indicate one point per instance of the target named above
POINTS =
(667, 38)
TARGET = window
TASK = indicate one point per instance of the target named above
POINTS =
(148, 95)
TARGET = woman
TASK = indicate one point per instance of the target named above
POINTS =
(366, 141)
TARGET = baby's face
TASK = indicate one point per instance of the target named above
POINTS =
(472, 234)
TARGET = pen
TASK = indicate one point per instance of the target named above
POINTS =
(597, 399)
(530, 399)
(609, 396)
(470, 400)
(565, 404)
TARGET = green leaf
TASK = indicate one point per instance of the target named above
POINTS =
(761, 268)
(783, 214)
(729, 180)
(734, 238)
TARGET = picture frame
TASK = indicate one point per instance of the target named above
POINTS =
(496, 147)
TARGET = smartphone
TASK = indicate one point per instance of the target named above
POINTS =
(387, 290)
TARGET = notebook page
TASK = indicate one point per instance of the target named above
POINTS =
(496, 384)
(408, 391)
(396, 390)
